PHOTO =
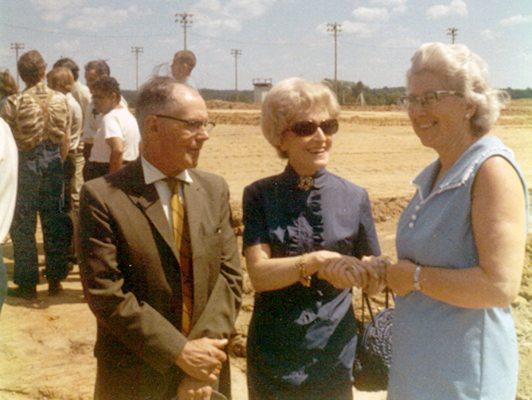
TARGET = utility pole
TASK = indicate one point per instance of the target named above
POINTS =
(335, 28)
(235, 53)
(452, 32)
(137, 50)
(17, 46)
(184, 19)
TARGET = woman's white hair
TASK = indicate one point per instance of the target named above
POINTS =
(287, 100)
(464, 72)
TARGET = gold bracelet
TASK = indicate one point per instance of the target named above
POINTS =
(304, 278)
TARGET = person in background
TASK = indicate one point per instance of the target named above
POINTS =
(39, 118)
(8, 194)
(8, 86)
(117, 139)
(182, 66)
(80, 91)
(305, 232)
(94, 70)
(160, 266)
(460, 241)
(62, 80)
(75, 158)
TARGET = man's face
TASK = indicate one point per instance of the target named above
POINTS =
(104, 102)
(180, 70)
(91, 76)
(171, 145)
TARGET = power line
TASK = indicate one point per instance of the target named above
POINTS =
(137, 50)
(17, 46)
(452, 32)
(236, 53)
(184, 19)
(335, 28)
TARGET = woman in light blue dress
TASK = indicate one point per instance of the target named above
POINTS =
(460, 241)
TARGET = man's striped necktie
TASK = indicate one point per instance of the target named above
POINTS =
(182, 242)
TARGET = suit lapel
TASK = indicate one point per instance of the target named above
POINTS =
(147, 198)
(195, 202)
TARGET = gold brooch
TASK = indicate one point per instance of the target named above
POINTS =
(305, 183)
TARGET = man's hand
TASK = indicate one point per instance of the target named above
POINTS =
(193, 389)
(202, 358)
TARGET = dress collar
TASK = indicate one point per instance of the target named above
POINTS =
(304, 183)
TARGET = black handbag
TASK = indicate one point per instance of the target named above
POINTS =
(374, 347)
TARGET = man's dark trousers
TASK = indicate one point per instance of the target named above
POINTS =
(40, 190)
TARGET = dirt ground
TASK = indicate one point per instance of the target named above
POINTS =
(46, 345)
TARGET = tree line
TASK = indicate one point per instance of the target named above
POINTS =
(349, 93)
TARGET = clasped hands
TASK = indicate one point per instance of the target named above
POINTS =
(201, 359)
(341, 271)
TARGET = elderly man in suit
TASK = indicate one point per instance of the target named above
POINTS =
(160, 266)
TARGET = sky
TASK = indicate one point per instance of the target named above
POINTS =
(277, 38)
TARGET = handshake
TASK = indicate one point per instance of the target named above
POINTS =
(341, 271)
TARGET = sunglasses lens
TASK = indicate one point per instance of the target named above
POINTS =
(304, 128)
(329, 127)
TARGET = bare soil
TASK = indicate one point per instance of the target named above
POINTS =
(46, 345)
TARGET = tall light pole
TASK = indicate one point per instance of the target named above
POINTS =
(17, 46)
(184, 19)
(137, 50)
(335, 28)
(453, 33)
(236, 53)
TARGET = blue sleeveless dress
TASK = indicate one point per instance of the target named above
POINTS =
(443, 352)
(301, 341)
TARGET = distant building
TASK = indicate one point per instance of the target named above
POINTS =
(261, 87)
(360, 101)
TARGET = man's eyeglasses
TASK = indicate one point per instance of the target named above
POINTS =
(308, 128)
(191, 124)
(428, 99)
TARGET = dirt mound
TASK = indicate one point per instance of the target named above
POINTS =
(384, 209)
(231, 105)
(235, 118)
(387, 208)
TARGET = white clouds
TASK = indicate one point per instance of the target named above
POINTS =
(66, 46)
(217, 16)
(455, 8)
(359, 29)
(92, 19)
(516, 20)
(397, 6)
(489, 34)
(371, 14)
(56, 10)
(368, 20)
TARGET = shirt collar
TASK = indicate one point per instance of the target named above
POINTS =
(152, 174)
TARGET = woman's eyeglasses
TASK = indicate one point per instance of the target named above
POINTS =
(428, 99)
(308, 128)
(192, 125)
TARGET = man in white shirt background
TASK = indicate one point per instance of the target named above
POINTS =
(182, 66)
(117, 138)
(94, 70)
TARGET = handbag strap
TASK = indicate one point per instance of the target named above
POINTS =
(366, 302)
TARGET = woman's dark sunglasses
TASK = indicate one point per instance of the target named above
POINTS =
(307, 128)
